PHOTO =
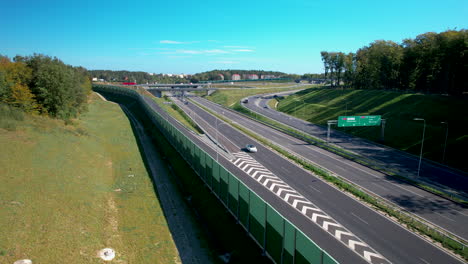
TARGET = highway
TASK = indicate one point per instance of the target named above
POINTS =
(383, 236)
(339, 251)
(432, 208)
(391, 159)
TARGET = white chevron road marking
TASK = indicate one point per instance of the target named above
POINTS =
(272, 180)
(327, 224)
(268, 176)
(277, 184)
(306, 208)
(300, 203)
(257, 169)
(353, 243)
(368, 255)
(280, 191)
(286, 197)
(304, 202)
(339, 233)
(314, 217)
(261, 171)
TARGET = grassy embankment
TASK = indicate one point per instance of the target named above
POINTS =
(70, 190)
(399, 109)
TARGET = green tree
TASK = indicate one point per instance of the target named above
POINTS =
(378, 65)
(14, 79)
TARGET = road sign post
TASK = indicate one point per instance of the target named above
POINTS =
(330, 122)
(382, 130)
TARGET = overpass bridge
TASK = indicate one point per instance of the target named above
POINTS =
(158, 90)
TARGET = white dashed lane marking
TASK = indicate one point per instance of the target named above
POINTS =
(270, 181)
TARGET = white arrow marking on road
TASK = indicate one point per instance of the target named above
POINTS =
(339, 233)
(272, 180)
(314, 217)
(280, 191)
(286, 198)
(353, 243)
(264, 172)
(265, 176)
(326, 224)
(305, 208)
(368, 255)
(258, 169)
(305, 201)
(247, 162)
(277, 184)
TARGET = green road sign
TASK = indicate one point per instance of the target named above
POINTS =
(351, 121)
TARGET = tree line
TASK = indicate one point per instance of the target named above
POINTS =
(40, 84)
(214, 75)
(430, 63)
(135, 76)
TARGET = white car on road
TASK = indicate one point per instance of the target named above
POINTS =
(251, 148)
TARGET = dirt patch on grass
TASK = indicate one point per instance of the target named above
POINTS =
(18, 135)
(112, 213)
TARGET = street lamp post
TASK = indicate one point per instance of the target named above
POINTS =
(217, 142)
(445, 144)
(422, 142)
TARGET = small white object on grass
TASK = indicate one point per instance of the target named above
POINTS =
(23, 261)
(107, 254)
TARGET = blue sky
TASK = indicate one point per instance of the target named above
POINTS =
(195, 36)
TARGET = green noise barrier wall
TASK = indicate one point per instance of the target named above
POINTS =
(280, 239)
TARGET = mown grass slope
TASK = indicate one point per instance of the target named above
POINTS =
(399, 109)
(68, 191)
(228, 97)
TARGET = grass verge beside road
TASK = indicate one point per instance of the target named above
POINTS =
(228, 97)
(70, 190)
(172, 109)
(401, 131)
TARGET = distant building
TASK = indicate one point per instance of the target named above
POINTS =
(221, 77)
(251, 76)
(94, 79)
(235, 77)
(266, 76)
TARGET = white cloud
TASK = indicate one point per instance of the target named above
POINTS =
(188, 51)
(244, 50)
(178, 57)
(208, 52)
(177, 42)
(170, 42)
(236, 47)
(216, 51)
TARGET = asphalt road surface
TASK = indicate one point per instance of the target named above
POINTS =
(394, 160)
(328, 243)
(437, 210)
(387, 238)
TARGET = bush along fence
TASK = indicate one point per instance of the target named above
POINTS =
(279, 238)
